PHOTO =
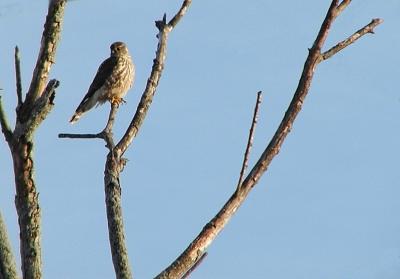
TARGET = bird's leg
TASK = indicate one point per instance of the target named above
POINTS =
(117, 101)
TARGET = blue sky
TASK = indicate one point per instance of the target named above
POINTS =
(328, 205)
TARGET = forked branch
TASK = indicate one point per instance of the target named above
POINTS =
(47, 54)
(369, 28)
(30, 113)
(199, 245)
(106, 134)
(115, 163)
(155, 75)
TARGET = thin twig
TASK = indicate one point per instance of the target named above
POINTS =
(81, 136)
(18, 76)
(182, 11)
(369, 28)
(250, 140)
(5, 127)
(106, 134)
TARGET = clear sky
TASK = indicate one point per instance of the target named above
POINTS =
(327, 207)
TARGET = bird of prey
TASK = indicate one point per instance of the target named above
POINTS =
(113, 79)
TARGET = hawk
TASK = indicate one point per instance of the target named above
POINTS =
(113, 79)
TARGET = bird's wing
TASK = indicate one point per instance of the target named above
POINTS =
(104, 72)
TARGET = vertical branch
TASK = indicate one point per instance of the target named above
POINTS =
(37, 104)
(111, 117)
(46, 57)
(28, 210)
(155, 75)
(115, 163)
(18, 76)
(7, 260)
(107, 133)
(115, 220)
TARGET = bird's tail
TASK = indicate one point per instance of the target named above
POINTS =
(75, 117)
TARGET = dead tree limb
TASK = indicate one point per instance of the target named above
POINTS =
(199, 245)
(18, 82)
(30, 114)
(8, 269)
(115, 163)
(250, 140)
(46, 57)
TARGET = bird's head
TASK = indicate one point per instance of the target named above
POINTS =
(119, 49)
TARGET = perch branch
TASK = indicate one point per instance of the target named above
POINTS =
(250, 140)
(115, 163)
(8, 269)
(106, 134)
(18, 76)
(199, 245)
(81, 136)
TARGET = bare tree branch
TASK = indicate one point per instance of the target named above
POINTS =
(5, 127)
(8, 269)
(249, 140)
(152, 82)
(369, 28)
(82, 136)
(106, 134)
(199, 245)
(342, 6)
(182, 11)
(37, 104)
(41, 108)
(18, 76)
(196, 265)
(116, 232)
(46, 57)
(115, 163)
